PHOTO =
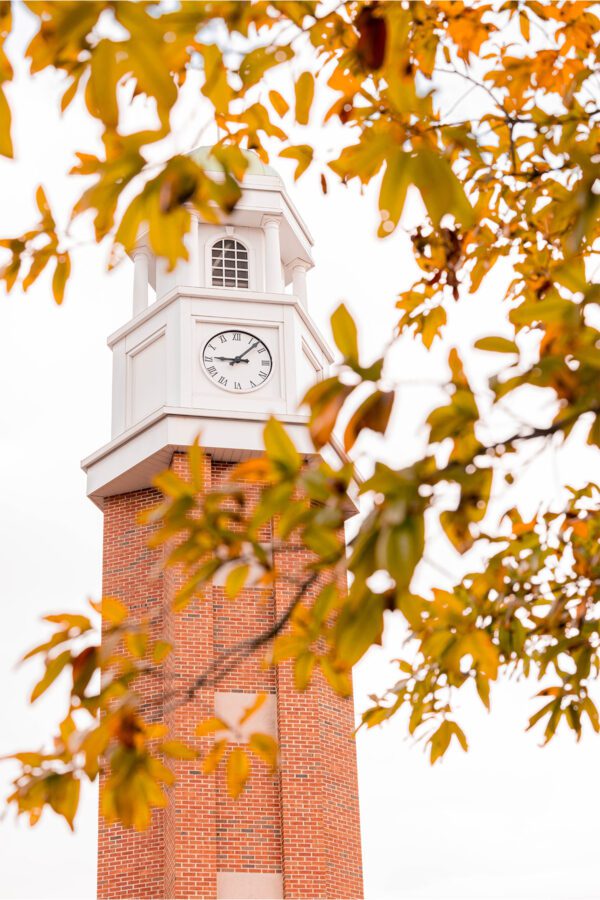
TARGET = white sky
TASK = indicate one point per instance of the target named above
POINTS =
(507, 820)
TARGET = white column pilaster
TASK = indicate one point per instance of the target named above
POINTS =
(299, 270)
(195, 264)
(141, 276)
(274, 279)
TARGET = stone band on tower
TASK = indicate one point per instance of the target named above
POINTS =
(295, 834)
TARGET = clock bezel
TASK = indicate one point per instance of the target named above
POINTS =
(233, 392)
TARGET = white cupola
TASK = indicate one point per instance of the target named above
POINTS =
(218, 344)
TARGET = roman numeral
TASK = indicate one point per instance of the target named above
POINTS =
(212, 371)
(237, 336)
(265, 362)
(211, 346)
(237, 386)
(223, 380)
(262, 349)
(262, 375)
(222, 339)
(208, 359)
(252, 384)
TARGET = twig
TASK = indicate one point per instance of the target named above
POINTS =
(227, 661)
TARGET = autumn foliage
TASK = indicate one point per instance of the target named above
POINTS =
(516, 184)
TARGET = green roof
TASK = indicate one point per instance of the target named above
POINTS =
(203, 156)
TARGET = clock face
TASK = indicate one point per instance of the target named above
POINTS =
(237, 361)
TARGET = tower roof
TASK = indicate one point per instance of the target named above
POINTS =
(204, 157)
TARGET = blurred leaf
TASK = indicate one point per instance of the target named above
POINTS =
(305, 91)
(238, 771)
(496, 345)
(266, 748)
(345, 334)
(54, 667)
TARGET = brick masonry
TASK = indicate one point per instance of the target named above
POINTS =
(295, 834)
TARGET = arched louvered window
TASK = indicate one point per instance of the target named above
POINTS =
(229, 264)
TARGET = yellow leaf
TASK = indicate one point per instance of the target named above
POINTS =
(161, 650)
(339, 679)
(303, 669)
(113, 610)
(101, 89)
(345, 333)
(254, 707)
(178, 750)
(53, 669)
(214, 756)
(6, 146)
(373, 413)
(216, 86)
(266, 748)
(280, 447)
(210, 726)
(496, 345)
(60, 277)
(258, 61)
(303, 154)
(235, 581)
(238, 771)
(305, 92)
(63, 796)
(394, 187)
(137, 641)
(196, 463)
(70, 620)
(279, 103)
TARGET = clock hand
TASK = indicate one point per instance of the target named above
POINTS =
(240, 358)
(230, 359)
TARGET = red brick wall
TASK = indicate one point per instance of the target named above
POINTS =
(302, 822)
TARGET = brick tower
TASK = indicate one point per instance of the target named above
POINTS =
(242, 292)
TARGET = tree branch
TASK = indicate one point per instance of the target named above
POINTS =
(227, 661)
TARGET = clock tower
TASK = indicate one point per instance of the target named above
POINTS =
(214, 348)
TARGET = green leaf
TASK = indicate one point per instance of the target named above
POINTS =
(338, 678)
(235, 581)
(63, 795)
(303, 669)
(358, 628)
(400, 549)
(258, 61)
(280, 447)
(394, 187)
(441, 190)
(345, 333)
(161, 650)
(496, 345)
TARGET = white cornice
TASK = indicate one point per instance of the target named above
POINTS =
(178, 411)
(205, 293)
